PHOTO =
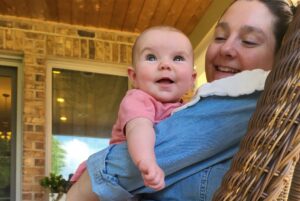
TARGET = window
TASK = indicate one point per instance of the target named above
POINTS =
(7, 133)
(84, 109)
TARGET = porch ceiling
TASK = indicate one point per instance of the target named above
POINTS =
(122, 15)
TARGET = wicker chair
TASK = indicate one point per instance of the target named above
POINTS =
(266, 166)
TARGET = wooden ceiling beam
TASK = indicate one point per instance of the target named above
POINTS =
(175, 12)
(161, 12)
(146, 15)
(186, 17)
(64, 11)
(91, 12)
(106, 9)
(119, 14)
(134, 9)
(78, 11)
(52, 10)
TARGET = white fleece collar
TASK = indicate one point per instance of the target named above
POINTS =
(243, 83)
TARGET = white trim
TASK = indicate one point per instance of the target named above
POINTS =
(78, 65)
(88, 66)
(15, 61)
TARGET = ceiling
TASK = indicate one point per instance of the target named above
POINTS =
(123, 15)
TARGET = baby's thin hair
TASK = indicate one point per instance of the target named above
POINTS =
(160, 27)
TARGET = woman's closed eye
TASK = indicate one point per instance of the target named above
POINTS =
(220, 39)
(249, 43)
(179, 58)
(151, 57)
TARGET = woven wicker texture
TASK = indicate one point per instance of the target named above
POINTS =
(264, 166)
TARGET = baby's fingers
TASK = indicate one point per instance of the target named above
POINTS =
(157, 186)
(154, 179)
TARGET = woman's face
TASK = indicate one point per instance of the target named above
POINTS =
(243, 40)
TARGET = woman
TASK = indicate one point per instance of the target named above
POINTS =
(194, 146)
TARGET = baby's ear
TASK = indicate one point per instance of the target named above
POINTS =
(194, 75)
(131, 75)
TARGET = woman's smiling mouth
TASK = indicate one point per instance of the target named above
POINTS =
(226, 69)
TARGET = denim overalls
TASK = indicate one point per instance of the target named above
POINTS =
(194, 147)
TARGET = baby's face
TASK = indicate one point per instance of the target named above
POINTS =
(164, 64)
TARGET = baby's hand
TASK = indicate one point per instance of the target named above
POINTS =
(153, 175)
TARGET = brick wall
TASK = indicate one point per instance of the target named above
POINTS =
(37, 40)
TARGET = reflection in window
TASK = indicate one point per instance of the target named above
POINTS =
(84, 109)
(5, 138)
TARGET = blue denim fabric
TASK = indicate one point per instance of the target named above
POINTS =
(197, 187)
(191, 146)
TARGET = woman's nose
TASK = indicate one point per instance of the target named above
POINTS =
(228, 48)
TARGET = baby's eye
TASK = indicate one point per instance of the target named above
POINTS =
(179, 58)
(150, 57)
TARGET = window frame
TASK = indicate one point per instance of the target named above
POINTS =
(15, 60)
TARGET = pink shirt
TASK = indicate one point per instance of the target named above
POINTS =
(135, 104)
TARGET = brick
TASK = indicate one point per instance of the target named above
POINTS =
(50, 45)
(2, 34)
(29, 162)
(39, 145)
(76, 48)
(43, 27)
(9, 42)
(6, 23)
(23, 25)
(34, 153)
(39, 78)
(39, 196)
(32, 187)
(27, 196)
(29, 128)
(68, 47)
(27, 179)
(27, 144)
(39, 128)
(34, 36)
(40, 61)
(99, 50)
(28, 45)
(107, 52)
(19, 40)
(39, 94)
(84, 48)
(34, 137)
(65, 30)
(91, 49)
(115, 53)
(39, 162)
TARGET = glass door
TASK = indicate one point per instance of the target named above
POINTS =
(84, 109)
(7, 132)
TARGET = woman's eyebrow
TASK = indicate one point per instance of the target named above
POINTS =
(251, 29)
(223, 25)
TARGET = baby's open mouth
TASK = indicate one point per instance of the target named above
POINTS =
(225, 69)
(165, 81)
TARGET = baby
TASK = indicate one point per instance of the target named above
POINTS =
(161, 73)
